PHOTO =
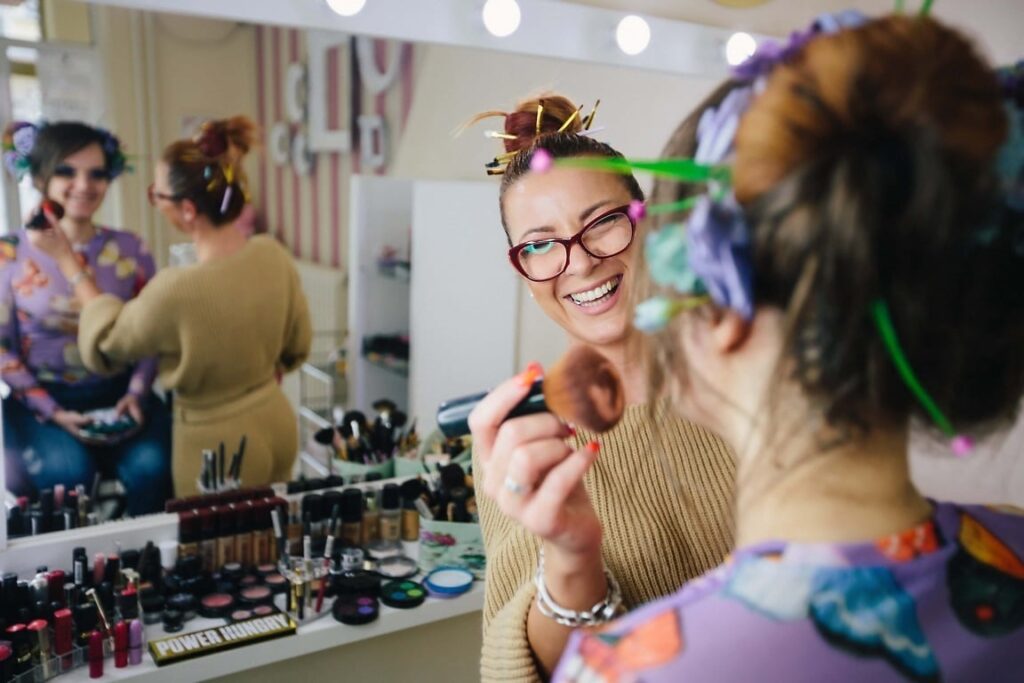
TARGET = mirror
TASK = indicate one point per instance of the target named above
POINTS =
(392, 224)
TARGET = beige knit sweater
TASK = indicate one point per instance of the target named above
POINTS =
(663, 490)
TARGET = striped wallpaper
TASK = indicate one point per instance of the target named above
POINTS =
(309, 213)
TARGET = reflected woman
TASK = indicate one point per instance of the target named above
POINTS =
(73, 164)
(221, 328)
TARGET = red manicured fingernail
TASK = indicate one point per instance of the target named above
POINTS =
(593, 447)
(530, 374)
(571, 430)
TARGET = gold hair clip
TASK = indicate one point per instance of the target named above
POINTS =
(590, 119)
(498, 134)
(540, 113)
(569, 120)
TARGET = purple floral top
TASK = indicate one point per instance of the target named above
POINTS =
(943, 601)
(39, 313)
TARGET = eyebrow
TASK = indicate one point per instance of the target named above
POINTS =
(583, 217)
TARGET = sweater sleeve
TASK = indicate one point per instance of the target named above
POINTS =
(113, 334)
(141, 383)
(508, 596)
(299, 330)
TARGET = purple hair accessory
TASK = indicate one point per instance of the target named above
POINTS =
(770, 53)
(24, 139)
(11, 163)
(716, 130)
(718, 250)
(224, 202)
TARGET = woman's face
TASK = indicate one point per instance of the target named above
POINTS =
(589, 300)
(80, 183)
(161, 196)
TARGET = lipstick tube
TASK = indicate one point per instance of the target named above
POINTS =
(135, 642)
(39, 634)
(120, 645)
(62, 637)
(96, 655)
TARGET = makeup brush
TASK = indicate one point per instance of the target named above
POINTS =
(220, 465)
(282, 547)
(583, 388)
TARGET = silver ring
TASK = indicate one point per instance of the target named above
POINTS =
(515, 487)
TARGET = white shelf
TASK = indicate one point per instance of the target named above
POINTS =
(323, 634)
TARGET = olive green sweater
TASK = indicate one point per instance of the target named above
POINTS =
(663, 490)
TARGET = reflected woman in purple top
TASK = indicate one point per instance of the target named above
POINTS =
(854, 261)
(72, 164)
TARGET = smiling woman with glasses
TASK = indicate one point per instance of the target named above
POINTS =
(73, 165)
(572, 238)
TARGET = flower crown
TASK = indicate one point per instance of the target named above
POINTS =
(709, 257)
(19, 139)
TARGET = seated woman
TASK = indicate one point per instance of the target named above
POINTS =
(855, 262)
(51, 389)
(221, 328)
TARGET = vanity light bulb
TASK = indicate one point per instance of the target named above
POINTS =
(633, 35)
(501, 17)
(346, 8)
(739, 48)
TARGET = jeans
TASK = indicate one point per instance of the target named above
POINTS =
(38, 455)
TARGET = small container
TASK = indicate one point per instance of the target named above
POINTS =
(174, 621)
(152, 606)
(278, 584)
(356, 610)
(183, 603)
(241, 615)
(390, 513)
(217, 605)
(352, 516)
(403, 594)
(371, 518)
(256, 595)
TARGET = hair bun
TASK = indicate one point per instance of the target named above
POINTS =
(212, 140)
(553, 111)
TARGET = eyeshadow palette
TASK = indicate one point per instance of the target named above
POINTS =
(356, 610)
(403, 594)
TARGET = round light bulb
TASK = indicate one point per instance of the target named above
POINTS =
(346, 8)
(501, 17)
(739, 48)
(633, 35)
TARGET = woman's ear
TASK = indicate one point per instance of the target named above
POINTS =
(728, 330)
(188, 211)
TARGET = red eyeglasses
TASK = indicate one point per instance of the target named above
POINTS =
(608, 235)
(153, 195)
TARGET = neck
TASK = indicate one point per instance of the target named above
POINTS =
(857, 491)
(216, 242)
(79, 231)
(630, 369)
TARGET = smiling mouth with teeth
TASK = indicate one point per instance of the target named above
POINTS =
(598, 294)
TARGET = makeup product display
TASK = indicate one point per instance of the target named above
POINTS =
(403, 594)
(207, 641)
(582, 388)
(448, 582)
(51, 510)
(356, 610)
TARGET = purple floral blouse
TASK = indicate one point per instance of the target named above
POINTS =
(39, 313)
(942, 601)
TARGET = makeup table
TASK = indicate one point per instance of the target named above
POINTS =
(437, 641)
(318, 636)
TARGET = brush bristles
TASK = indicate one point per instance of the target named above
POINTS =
(584, 388)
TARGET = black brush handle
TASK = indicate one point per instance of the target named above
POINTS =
(453, 415)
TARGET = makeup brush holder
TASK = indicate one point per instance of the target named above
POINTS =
(303, 587)
(55, 666)
(357, 471)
